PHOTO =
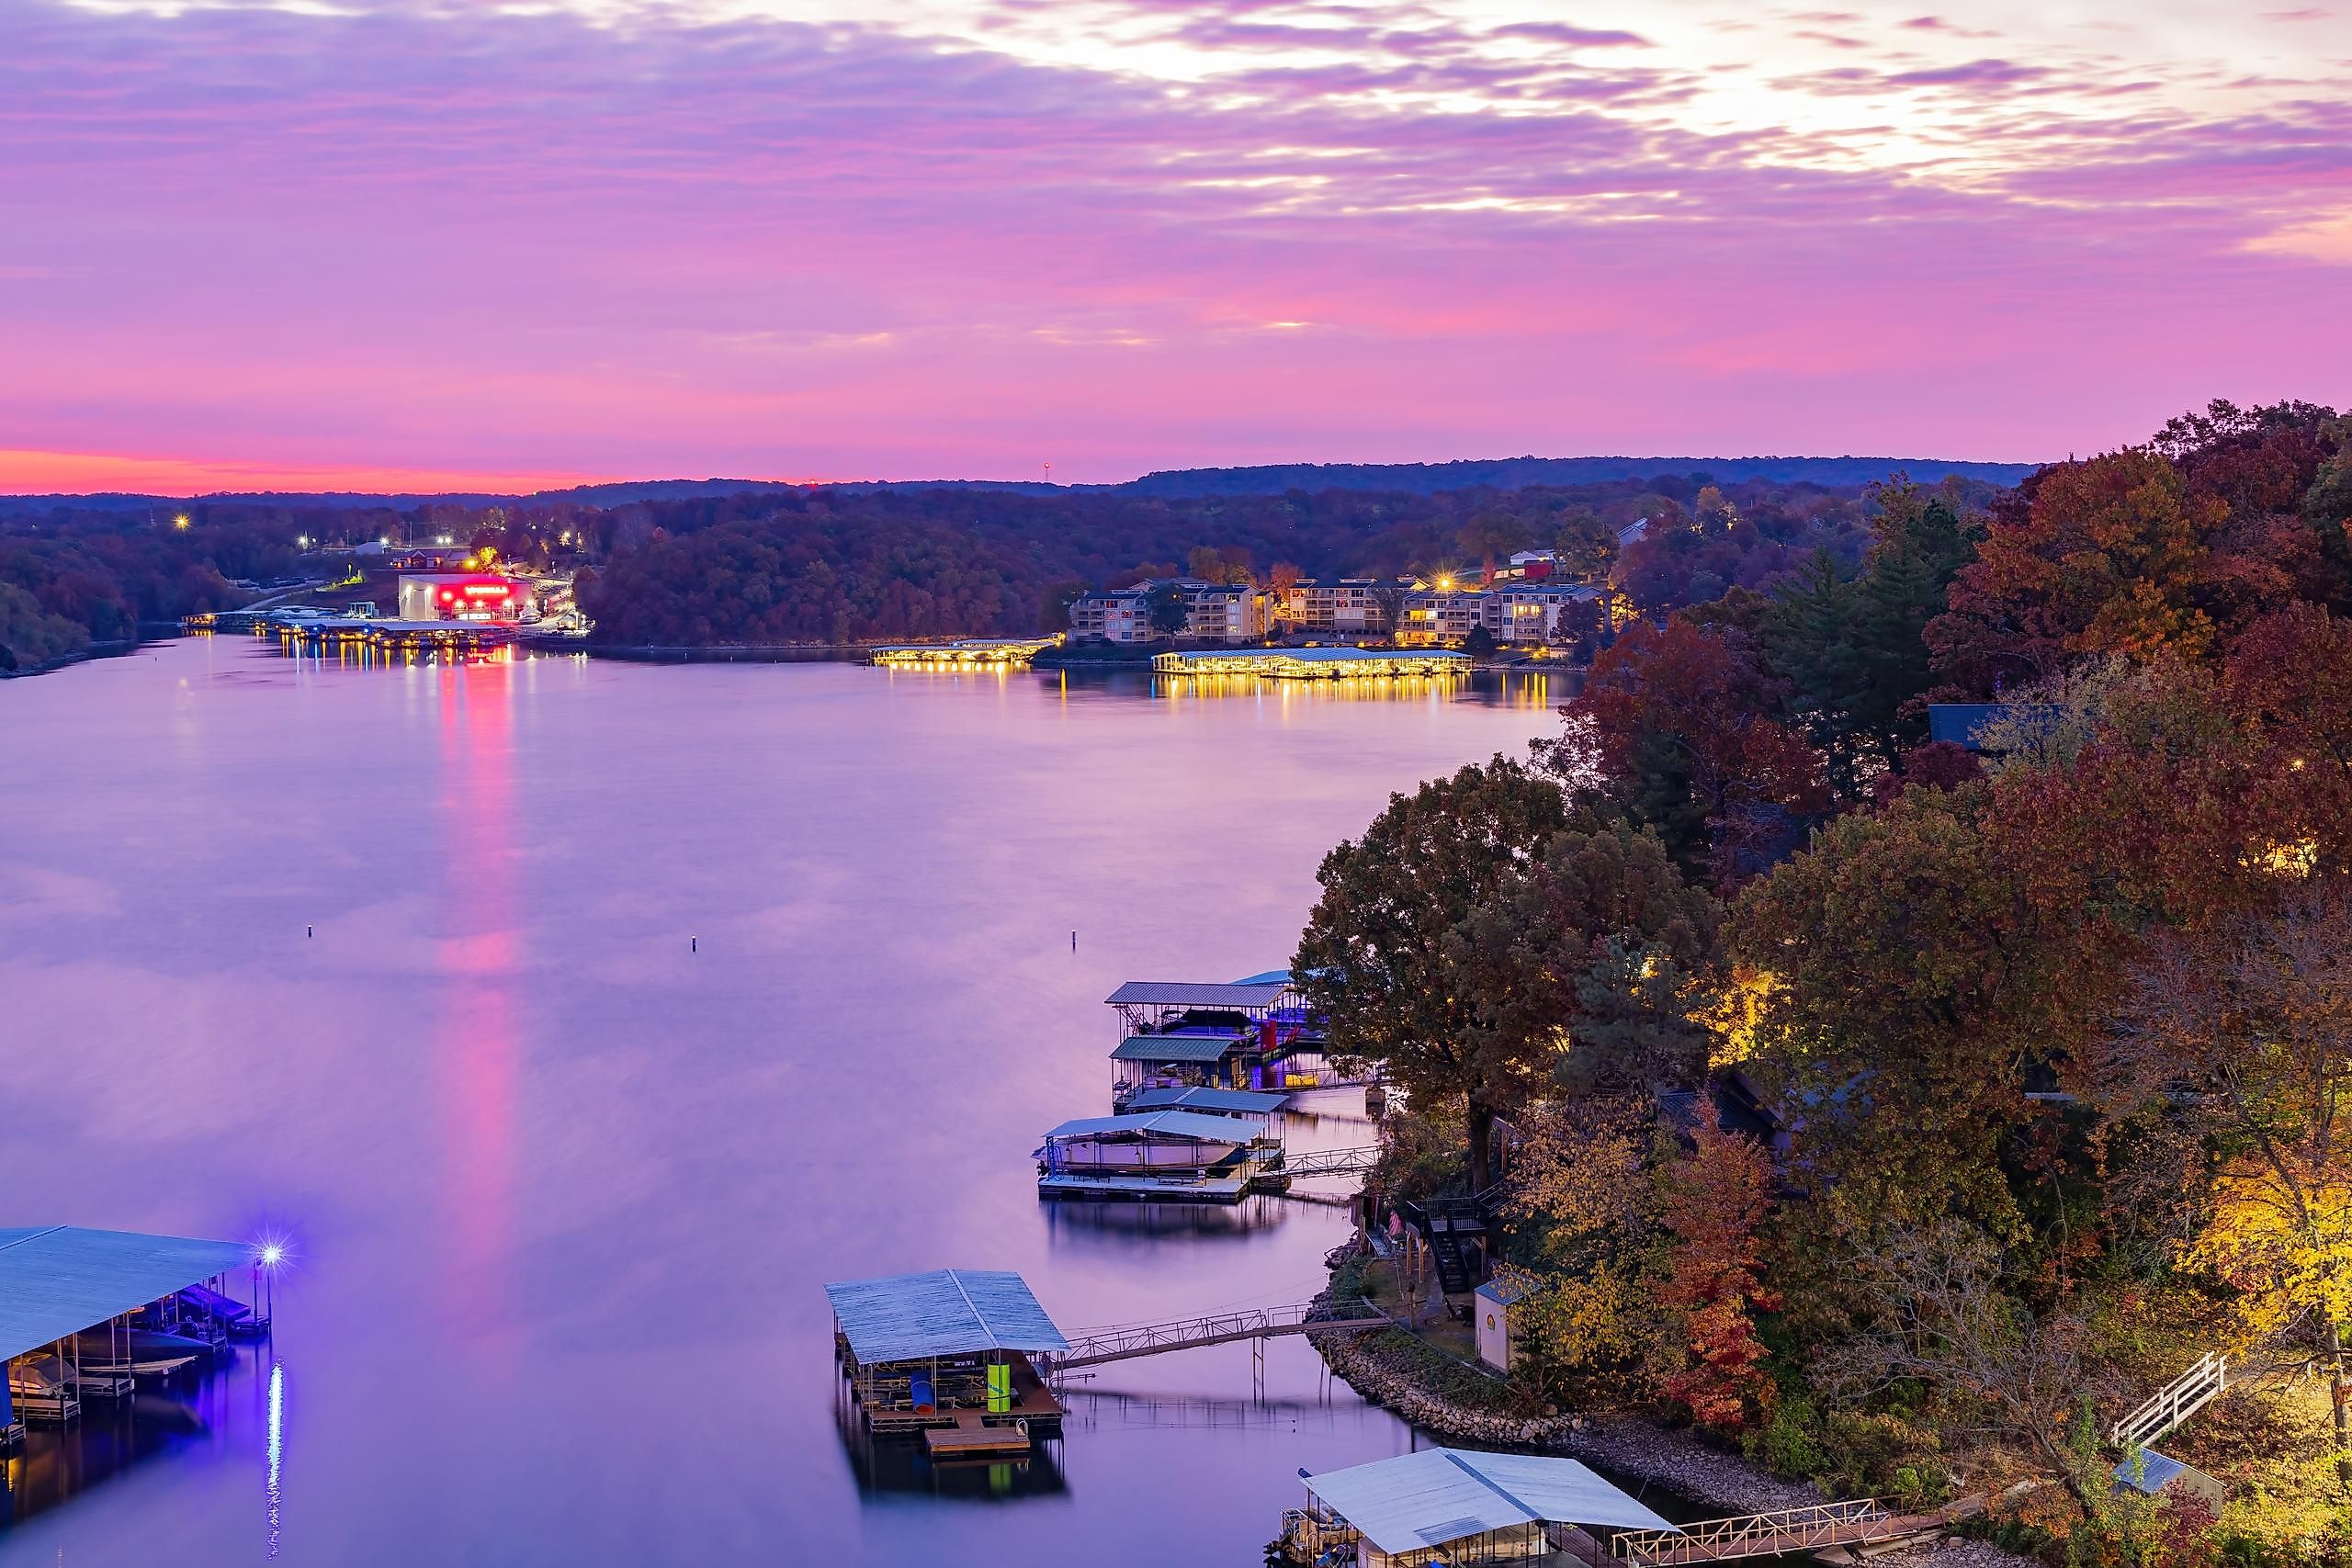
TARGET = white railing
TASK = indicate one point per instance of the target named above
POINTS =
(1330, 1162)
(1092, 1348)
(1756, 1535)
(2173, 1404)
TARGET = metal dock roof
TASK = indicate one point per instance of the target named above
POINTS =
(1176, 1047)
(1187, 1124)
(58, 1279)
(946, 1312)
(1197, 994)
(1232, 1102)
(1420, 1500)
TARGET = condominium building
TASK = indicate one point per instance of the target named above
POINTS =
(1347, 606)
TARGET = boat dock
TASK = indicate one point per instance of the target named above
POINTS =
(87, 1313)
(965, 654)
(944, 1357)
(1316, 663)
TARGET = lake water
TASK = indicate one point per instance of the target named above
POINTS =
(559, 1193)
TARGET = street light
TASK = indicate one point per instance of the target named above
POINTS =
(180, 520)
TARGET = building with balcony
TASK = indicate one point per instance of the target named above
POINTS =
(1347, 606)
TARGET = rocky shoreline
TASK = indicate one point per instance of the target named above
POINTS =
(1382, 1368)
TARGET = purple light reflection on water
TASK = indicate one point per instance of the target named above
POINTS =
(562, 1189)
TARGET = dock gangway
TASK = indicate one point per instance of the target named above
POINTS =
(1330, 1162)
(1766, 1534)
(1095, 1347)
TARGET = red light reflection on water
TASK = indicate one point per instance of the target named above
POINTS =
(475, 1034)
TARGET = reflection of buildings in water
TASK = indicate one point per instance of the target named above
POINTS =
(164, 1416)
(1492, 688)
(889, 1467)
(1084, 1221)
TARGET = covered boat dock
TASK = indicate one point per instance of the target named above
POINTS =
(1255, 1034)
(1185, 1155)
(945, 1355)
(1457, 1506)
(88, 1312)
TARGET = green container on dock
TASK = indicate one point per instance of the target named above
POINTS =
(999, 1388)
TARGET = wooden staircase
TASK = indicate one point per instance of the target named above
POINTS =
(2173, 1404)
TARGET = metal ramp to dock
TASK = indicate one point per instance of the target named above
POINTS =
(1101, 1346)
(1768, 1535)
(1330, 1162)
(2173, 1404)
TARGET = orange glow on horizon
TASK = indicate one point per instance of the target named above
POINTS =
(24, 471)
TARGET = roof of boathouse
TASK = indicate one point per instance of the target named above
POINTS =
(1435, 1496)
(1176, 1047)
(58, 1279)
(1233, 1101)
(946, 1312)
(1197, 994)
(1188, 1124)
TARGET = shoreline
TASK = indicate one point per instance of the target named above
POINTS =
(1381, 1365)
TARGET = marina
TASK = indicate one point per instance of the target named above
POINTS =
(1317, 663)
(965, 654)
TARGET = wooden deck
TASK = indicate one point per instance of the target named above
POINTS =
(972, 1438)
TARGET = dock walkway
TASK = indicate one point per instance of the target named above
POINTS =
(1103, 1345)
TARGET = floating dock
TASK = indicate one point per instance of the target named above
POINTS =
(1316, 663)
(944, 1356)
(966, 653)
(86, 1313)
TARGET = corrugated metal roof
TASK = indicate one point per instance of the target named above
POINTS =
(1189, 1124)
(1436, 1495)
(2155, 1473)
(947, 1311)
(1508, 1289)
(1195, 994)
(1175, 1047)
(56, 1280)
(1271, 977)
(1238, 1101)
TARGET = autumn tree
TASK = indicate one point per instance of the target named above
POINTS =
(2237, 1047)
(1492, 534)
(1714, 1201)
(1677, 725)
(2110, 555)
(1943, 1315)
(1591, 958)
(1381, 956)
(1909, 983)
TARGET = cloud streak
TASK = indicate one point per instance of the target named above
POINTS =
(973, 240)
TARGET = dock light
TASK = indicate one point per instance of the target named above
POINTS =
(272, 1254)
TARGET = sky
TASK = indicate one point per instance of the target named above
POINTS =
(369, 244)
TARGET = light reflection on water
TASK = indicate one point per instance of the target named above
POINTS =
(641, 1001)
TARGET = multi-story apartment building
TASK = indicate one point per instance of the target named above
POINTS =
(1114, 614)
(1349, 606)
(1520, 613)
(1229, 612)
(1438, 617)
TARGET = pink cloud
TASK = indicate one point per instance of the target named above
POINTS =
(418, 243)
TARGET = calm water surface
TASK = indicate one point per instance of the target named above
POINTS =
(560, 1193)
